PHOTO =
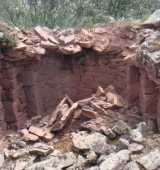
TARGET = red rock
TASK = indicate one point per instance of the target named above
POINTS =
(48, 136)
(11, 73)
(61, 123)
(28, 78)
(37, 131)
(10, 111)
(48, 45)
(51, 38)
(0, 93)
(21, 46)
(70, 49)
(109, 89)
(132, 75)
(41, 33)
(87, 79)
(34, 100)
(89, 113)
(130, 59)
(13, 53)
(29, 52)
(9, 84)
(7, 64)
(39, 50)
(114, 99)
(28, 135)
(99, 92)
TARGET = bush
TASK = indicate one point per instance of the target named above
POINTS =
(72, 13)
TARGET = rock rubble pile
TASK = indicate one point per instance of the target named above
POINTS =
(108, 137)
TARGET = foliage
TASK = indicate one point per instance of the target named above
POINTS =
(72, 13)
(8, 35)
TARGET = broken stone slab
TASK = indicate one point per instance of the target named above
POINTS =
(99, 92)
(98, 108)
(48, 136)
(67, 39)
(115, 100)
(40, 149)
(21, 46)
(121, 127)
(39, 50)
(41, 33)
(59, 162)
(49, 45)
(53, 39)
(135, 148)
(36, 131)
(89, 112)
(109, 89)
(150, 161)
(95, 142)
(55, 113)
(70, 49)
(16, 153)
(108, 132)
(63, 120)
(115, 160)
(28, 136)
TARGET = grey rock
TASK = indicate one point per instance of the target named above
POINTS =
(154, 19)
(93, 168)
(20, 165)
(136, 136)
(135, 148)
(59, 162)
(107, 131)
(17, 153)
(41, 149)
(1, 160)
(91, 157)
(102, 159)
(131, 166)
(122, 144)
(150, 161)
(121, 127)
(95, 142)
(115, 161)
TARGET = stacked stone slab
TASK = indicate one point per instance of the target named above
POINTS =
(47, 64)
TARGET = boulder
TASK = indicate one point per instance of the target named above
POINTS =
(115, 160)
(150, 161)
(37, 131)
(135, 148)
(121, 127)
(99, 92)
(91, 157)
(95, 142)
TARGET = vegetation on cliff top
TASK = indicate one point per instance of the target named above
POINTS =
(72, 13)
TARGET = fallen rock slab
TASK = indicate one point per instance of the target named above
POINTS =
(37, 131)
(29, 136)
